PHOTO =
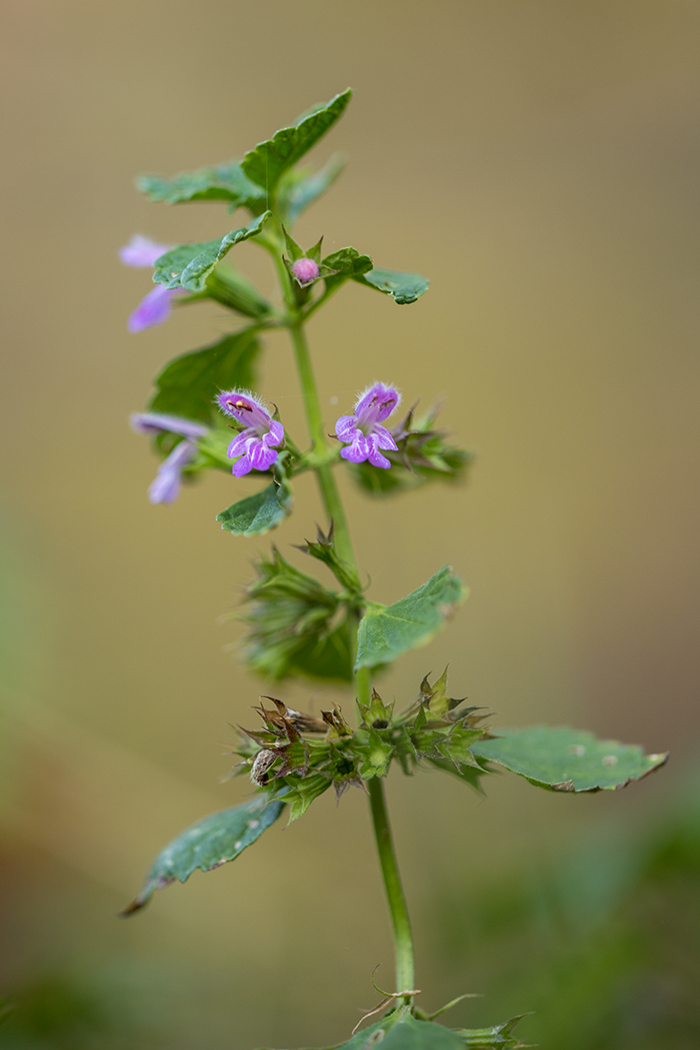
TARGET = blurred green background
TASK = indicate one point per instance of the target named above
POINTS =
(539, 162)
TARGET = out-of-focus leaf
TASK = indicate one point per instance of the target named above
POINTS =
(208, 844)
(387, 631)
(564, 759)
(226, 182)
(265, 164)
(188, 265)
(188, 385)
(296, 626)
(230, 288)
(500, 1035)
(401, 1031)
(402, 287)
(256, 515)
(304, 190)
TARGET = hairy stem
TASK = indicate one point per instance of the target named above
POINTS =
(403, 938)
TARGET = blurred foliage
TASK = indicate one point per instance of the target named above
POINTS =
(603, 946)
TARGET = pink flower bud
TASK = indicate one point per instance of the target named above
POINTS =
(305, 270)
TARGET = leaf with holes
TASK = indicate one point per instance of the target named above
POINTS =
(387, 631)
(208, 844)
(564, 759)
(188, 385)
(265, 164)
(188, 265)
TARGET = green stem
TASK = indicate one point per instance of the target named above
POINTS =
(403, 939)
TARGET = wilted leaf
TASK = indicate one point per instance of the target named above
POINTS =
(256, 515)
(269, 160)
(221, 182)
(566, 759)
(387, 631)
(188, 385)
(208, 844)
(188, 265)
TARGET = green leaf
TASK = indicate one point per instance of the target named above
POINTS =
(302, 792)
(256, 515)
(499, 1035)
(226, 182)
(402, 287)
(346, 263)
(188, 385)
(208, 844)
(564, 759)
(296, 626)
(400, 1031)
(303, 191)
(230, 288)
(188, 265)
(387, 631)
(269, 160)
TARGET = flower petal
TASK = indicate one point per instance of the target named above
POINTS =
(240, 443)
(161, 423)
(383, 437)
(261, 457)
(167, 483)
(142, 251)
(246, 407)
(376, 403)
(376, 458)
(153, 309)
(346, 429)
(357, 452)
(242, 466)
(276, 435)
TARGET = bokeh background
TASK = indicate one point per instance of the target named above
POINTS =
(539, 162)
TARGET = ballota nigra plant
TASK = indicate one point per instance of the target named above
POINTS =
(205, 414)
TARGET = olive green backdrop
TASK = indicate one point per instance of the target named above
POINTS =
(539, 162)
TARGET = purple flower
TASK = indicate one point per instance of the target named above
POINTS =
(363, 432)
(168, 481)
(155, 307)
(160, 423)
(261, 431)
(305, 270)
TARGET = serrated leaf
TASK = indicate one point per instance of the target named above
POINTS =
(304, 191)
(387, 631)
(208, 844)
(265, 164)
(188, 265)
(220, 182)
(402, 287)
(256, 515)
(564, 759)
(188, 385)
